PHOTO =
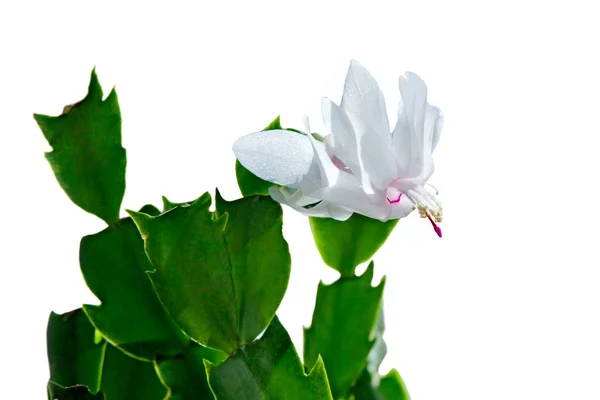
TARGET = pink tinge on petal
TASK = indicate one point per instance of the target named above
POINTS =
(393, 195)
(339, 163)
(394, 201)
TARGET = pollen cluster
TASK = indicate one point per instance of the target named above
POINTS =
(435, 214)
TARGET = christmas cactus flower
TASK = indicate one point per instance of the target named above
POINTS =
(361, 167)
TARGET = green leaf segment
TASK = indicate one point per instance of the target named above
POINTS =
(345, 314)
(82, 368)
(344, 245)
(74, 357)
(222, 274)
(347, 326)
(115, 266)
(188, 296)
(268, 369)
(87, 157)
(185, 375)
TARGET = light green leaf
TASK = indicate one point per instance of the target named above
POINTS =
(341, 330)
(392, 387)
(269, 368)
(114, 265)
(73, 356)
(220, 275)
(87, 157)
(344, 245)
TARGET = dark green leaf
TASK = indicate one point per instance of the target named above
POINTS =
(220, 275)
(269, 368)
(389, 387)
(341, 330)
(87, 157)
(249, 183)
(365, 388)
(392, 387)
(114, 266)
(78, 392)
(346, 244)
(73, 356)
(185, 375)
(127, 378)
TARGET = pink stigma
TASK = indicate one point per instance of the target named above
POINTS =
(436, 228)
(394, 201)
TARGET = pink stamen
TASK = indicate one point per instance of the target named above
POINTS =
(392, 193)
(436, 228)
(394, 201)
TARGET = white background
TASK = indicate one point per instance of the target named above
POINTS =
(505, 306)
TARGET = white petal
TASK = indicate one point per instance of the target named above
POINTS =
(402, 209)
(348, 193)
(327, 170)
(437, 127)
(414, 135)
(279, 156)
(322, 209)
(364, 102)
(378, 161)
(342, 141)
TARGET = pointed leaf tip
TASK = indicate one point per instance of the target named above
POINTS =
(345, 314)
(392, 387)
(275, 124)
(167, 204)
(95, 89)
(368, 274)
(87, 157)
(141, 220)
(230, 255)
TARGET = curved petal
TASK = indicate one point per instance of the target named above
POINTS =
(322, 209)
(279, 156)
(348, 193)
(438, 123)
(327, 171)
(378, 161)
(342, 142)
(363, 102)
(402, 209)
(417, 130)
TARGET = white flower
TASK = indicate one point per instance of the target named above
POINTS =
(361, 167)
